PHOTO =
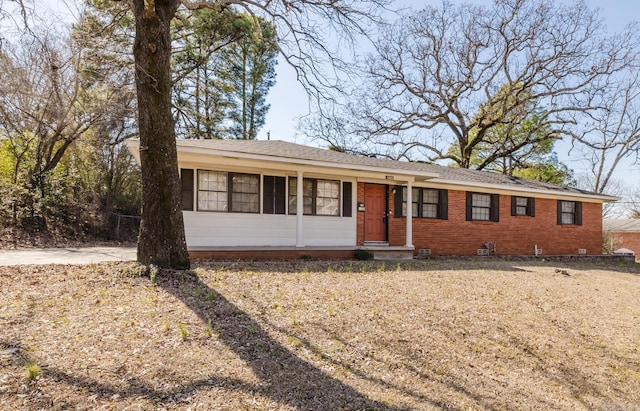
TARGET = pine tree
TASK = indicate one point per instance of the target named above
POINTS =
(251, 65)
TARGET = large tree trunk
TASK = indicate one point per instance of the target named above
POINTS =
(161, 240)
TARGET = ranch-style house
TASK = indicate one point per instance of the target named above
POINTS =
(276, 199)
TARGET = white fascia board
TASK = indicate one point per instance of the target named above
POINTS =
(398, 180)
(499, 188)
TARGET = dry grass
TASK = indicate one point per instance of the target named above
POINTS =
(302, 335)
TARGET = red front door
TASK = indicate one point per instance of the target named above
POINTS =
(375, 212)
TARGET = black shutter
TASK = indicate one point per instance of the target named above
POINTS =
(268, 187)
(495, 207)
(273, 195)
(230, 191)
(186, 181)
(514, 205)
(397, 202)
(469, 206)
(578, 216)
(559, 212)
(279, 195)
(314, 194)
(443, 199)
(347, 199)
(532, 207)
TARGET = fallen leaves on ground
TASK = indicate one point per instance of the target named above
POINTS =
(321, 335)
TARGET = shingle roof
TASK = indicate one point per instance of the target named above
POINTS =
(287, 150)
(284, 149)
(627, 225)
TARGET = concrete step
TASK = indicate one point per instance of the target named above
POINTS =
(376, 244)
(392, 255)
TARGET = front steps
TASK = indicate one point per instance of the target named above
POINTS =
(392, 255)
(383, 252)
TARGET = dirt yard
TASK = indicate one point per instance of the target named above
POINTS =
(316, 335)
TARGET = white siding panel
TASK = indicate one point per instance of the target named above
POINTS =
(204, 229)
(329, 231)
(208, 229)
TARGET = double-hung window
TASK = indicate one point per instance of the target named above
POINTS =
(234, 192)
(425, 203)
(483, 207)
(245, 192)
(320, 197)
(213, 192)
(569, 212)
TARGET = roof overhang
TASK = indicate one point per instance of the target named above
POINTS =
(204, 155)
(502, 189)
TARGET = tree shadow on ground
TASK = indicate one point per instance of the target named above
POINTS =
(285, 378)
(430, 264)
(127, 387)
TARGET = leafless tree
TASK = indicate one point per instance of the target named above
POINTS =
(635, 212)
(631, 203)
(610, 135)
(17, 11)
(452, 74)
(45, 106)
(105, 34)
(304, 32)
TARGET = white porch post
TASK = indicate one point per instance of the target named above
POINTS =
(409, 240)
(299, 211)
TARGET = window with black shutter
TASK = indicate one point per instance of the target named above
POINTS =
(319, 197)
(483, 207)
(569, 212)
(523, 206)
(425, 203)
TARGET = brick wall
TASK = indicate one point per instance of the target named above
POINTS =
(513, 235)
(628, 240)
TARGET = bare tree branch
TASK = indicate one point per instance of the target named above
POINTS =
(449, 76)
(612, 132)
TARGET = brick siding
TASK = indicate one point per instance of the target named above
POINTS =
(513, 235)
(622, 239)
